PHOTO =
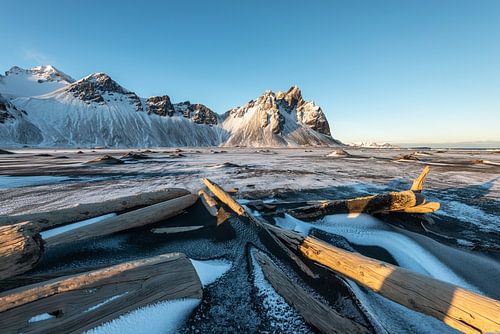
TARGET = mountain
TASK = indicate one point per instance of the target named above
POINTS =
(278, 119)
(372, 145)
(31, 82)
(46, 108)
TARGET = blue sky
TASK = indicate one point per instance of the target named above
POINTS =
(398, 71)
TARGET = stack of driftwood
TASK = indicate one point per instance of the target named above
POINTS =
(79, 300)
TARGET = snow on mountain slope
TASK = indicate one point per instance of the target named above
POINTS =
(44, 107)
(32, 82)
(14, 128)
(278, 119)
(96, 111)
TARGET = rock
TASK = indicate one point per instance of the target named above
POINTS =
(105, 160)
(134, 156)
(338, 153)
(5, 152)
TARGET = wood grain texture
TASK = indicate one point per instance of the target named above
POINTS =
(83, 301)
(50, 219)
(418, 183)
(461, 309)
(21, 248)
(224, 197)
(318, 314)
(392, 201)
(140, 217)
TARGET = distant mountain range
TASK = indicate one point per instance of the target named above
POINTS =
(44, 107)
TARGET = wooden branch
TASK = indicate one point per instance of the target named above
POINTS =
(418, 183)
(84, 301)
(224, 197)
(392, 201)
(315, 312)
(144, 216)
(21, 248)
(211, 205)
(84, 211)
(459, 308)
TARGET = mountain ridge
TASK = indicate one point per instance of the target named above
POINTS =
(96, 110)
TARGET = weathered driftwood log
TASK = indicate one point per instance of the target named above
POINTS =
(428, 207)
(140, 217)
(211, 205)
(84, 211)
(21, 247)
(459, 308)
(83, 301)
(315, 312)
(392, 201)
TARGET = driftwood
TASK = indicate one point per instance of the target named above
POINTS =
(224, 197)
(84, 211)
(418, 183)
(428, 207)
(211, 205)
(315, 312)
(392, 201)
(459, 308)
(176, 229)
(83, 301)
(21, 248)
(140, 217)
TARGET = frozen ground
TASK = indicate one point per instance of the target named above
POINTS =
(460, 243)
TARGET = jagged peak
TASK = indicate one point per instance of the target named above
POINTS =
(42, 72)
(101, 82)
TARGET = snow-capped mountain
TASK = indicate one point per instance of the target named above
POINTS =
(372, 145)
(45, 107)
(32, 82)
(278, 119)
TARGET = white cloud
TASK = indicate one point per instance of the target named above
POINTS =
(37, 56)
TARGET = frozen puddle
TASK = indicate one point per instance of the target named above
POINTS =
(163, 317)
(65, 228)
(26, 181)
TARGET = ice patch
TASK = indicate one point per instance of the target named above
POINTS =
(159, 318)
(40, 317)
(105, 302)
(210, 271)
(470, 214)
(25, 181)
(61, 229)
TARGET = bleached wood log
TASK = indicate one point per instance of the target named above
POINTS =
(418, 183)
(176, 229)
(83, 301)
(459, 308)
(84, 211)
(140, 217)
(392, 201)
(21, 248)
(315, 312)
(428, 207)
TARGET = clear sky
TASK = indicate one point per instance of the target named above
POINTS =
(399, 71)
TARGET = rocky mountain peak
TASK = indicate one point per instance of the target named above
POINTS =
(160, 105)
(100, 88)
(43, 73)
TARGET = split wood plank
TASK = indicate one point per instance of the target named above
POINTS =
(84, 211)
(84, 301)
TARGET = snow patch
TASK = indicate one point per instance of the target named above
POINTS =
(210, 271)
(159, 318)
(7, 181)
(40, 317)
